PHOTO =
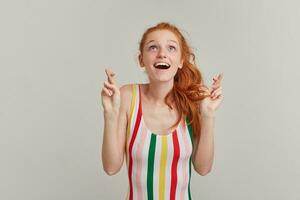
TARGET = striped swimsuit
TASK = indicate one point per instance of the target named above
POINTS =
(159, 166)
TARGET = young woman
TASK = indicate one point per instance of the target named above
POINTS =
(164, 126)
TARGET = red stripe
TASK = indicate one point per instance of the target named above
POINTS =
(136, 126)
(174, 166)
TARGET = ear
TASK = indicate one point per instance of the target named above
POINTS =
(181, 64)
(141, 60)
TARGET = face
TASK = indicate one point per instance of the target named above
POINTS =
(161, 55)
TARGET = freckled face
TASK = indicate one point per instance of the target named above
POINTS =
(161, 55)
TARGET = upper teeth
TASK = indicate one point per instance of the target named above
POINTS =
(165, 64)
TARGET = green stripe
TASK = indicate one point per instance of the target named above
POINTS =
(190, 129)
(190, 197)
(190, 161)
(151, 166)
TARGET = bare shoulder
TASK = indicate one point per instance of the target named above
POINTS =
(126, 96)
(126, 91)
(126, 88)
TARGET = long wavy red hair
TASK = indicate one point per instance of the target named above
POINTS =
(189, 88)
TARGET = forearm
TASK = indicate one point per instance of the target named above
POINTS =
(111, 155)
(204, 153)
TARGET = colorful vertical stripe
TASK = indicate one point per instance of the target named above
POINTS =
(159, 166)
(162, 168)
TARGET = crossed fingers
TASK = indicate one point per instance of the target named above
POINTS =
(110, 84)
(216, 86)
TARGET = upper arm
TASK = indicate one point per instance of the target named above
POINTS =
(125, 99)
(195, 145)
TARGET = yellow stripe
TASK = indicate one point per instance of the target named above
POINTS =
(130, 115)
(127, 194)
(162, 169)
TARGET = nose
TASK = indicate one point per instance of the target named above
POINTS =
(161, 53)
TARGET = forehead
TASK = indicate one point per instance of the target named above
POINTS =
(162, 36)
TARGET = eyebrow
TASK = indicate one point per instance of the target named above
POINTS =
(173, 41)
(149, 41)
(154, 41)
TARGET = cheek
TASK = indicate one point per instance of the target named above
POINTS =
(149, 57)
(176, 60)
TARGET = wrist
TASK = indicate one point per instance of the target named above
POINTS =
(208, 115)
(111, 113)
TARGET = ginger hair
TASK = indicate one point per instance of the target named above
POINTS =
(188, 89)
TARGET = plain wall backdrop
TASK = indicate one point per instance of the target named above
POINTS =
(52, 58)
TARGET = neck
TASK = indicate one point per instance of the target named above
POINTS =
(157, 91)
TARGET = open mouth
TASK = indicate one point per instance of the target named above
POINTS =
(162, 65)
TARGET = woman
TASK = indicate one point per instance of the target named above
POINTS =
(164, 126)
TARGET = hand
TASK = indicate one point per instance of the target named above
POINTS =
(110, 94)
(209, 104)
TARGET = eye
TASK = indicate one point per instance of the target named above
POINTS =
(172, 48)
(152, 47)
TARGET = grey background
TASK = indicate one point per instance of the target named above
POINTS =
(52, 59)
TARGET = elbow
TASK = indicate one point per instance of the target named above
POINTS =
(111, 172)
(202, 169)
(111, 168)
(203, 172)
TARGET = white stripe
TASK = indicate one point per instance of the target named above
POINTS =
(145, 165)
(169, 167)
(156, 168)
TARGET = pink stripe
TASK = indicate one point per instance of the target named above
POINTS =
(139, 164)
(185, 161)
